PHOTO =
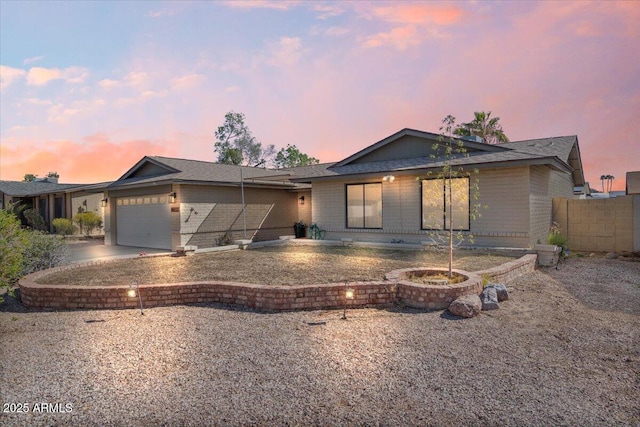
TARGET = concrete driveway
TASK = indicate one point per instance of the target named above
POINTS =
(92, 250)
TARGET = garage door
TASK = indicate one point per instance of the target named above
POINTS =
(144, 221)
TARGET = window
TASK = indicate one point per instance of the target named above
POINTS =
(435, 196)
(364, 205)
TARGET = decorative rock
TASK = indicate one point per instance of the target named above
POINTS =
(489, 298)
(612, 255)
(466, 306)
(501, 291)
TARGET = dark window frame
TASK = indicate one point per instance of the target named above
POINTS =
(346, 205)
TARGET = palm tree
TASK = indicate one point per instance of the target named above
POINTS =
(610, 179)
(483, 126)
(602, 178)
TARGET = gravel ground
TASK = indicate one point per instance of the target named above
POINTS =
(543, 358)
(272, 265)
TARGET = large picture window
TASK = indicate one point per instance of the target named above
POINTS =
(364, 205)
(435, 201)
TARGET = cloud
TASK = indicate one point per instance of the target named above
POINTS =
(261, 4)
(8, 75)
(78, 161)
(326, 11)
(400, 38)
(414, 23)
(421, 14)
(286, 51)
(32, 60)
(109, 83)
(160, 13)
(187, 81)
(336, 31)
(39, 76)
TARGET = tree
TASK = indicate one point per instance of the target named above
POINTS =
(449, 195)
(236, 145)
(291, 157)
(483, 126)
(602, 179)
(29, 177)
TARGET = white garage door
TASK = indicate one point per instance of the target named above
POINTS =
(144, 221)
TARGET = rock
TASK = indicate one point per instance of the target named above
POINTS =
(466, 306)
(612, 255)
(501, 290)
(489, 299)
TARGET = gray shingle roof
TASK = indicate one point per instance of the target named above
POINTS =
(183, 170)
(554, 151)
(30, 189)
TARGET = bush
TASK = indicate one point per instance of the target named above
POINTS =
(87, 222)
(25, 251)
(12, 243)
(35, 220)
(43, 251)
(64, 226)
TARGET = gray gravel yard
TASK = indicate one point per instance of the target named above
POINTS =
(543, 358)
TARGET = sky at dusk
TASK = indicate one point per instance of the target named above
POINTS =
(89, 88)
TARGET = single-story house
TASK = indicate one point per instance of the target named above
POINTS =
(51, 198)
(166, 203)
(384, 193)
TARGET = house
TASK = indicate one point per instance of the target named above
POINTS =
(633, 183)
(383, 193)
(51, 198)
(165, 203)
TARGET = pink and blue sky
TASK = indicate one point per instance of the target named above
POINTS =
(89, 88)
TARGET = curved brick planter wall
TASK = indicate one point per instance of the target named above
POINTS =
(262, 297)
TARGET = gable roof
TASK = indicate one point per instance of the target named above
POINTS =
(561, 153)
(153, 170)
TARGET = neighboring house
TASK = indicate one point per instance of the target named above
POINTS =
(52, 199)
(378, 194)
(633, 183)
(165, 202)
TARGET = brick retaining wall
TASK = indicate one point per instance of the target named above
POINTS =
(263, 297)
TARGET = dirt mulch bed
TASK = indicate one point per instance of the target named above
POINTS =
(282, 265)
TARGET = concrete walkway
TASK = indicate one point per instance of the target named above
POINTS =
(92, 250)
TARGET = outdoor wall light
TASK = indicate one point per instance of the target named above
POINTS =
(134, 290)
(389, 178)
(172, 197)
(104, 202)
(301, 200)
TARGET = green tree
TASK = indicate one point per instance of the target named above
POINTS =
(29, 177)
(236, 145)
(449, 194)
(484, 126)
(291, 157)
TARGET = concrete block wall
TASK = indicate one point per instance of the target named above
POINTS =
(601, 225)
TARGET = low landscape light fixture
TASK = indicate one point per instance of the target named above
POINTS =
(104, 202)
(134, 290)
(389, 178)
(349, 294)
(301, 200)
(172, 197)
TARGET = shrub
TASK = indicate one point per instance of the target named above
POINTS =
(556, 237)
(12, 242)
(34, 219)
(43, 251)
(87, 222)
(64, 226)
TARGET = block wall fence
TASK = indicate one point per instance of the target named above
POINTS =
(265, 297)
(600, 225)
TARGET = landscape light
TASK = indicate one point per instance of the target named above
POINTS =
(134, 290)
(349, 293)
